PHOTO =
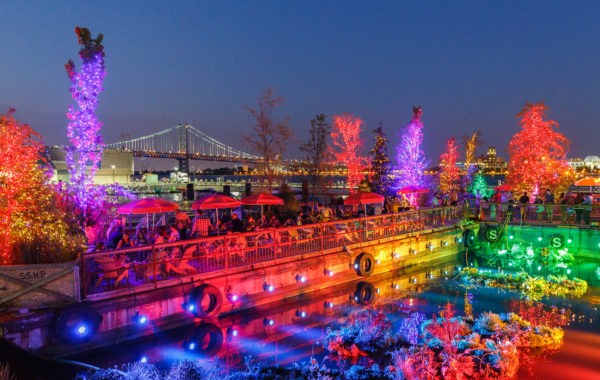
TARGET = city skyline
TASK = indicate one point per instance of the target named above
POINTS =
(470, 66)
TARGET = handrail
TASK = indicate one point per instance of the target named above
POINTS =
(535, 214)
(153, 263)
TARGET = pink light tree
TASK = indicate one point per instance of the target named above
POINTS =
(85, 152)
(347, 147)
(410, 158)
(449, 176)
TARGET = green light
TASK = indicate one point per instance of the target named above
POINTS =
(539, 238)
(511, 237)
(539, 267)
(568, 271)
(569, 241)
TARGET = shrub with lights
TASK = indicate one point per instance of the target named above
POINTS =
(535, 260)
(534, 287)
(37, 223)
(447, 346)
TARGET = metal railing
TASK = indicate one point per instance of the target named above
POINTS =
(125, 268)
(536, 214)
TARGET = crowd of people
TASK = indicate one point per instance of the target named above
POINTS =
(543, 207)
(572, 208)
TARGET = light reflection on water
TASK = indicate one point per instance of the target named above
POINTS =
(300, 324)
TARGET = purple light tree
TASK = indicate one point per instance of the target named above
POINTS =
(85, 152)
(410, 158)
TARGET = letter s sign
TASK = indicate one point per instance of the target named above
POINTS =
(492, 234)
(557, 241)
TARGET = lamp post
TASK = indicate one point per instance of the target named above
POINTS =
(113, 170)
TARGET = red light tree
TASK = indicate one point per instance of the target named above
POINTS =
(33, 221)
(347, 147)
(449, 177)
(537, 152)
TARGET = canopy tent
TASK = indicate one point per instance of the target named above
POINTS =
(215, 202)
(363, 198)
(413, 190)
(503, 187)
(588, 181)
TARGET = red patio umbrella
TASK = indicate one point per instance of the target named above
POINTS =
(148, 206)
(215, 202)
(262, 199)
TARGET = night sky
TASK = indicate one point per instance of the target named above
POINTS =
(471, 65)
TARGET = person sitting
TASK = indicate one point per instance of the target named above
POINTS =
(237, 225)
(140, 238)
(161, 235)
(115, 235)
(174, 234)
(125, 241)
(250, 224)
(274, 222)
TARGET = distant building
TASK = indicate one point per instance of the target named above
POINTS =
(115, 166)
(491, 164)
(590, 164)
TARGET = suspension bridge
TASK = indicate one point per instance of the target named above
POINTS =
(183, 142)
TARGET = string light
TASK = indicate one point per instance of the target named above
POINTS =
(409, 156)
(449, 176)
(347, 147)
(85, 153)
(538, 152)
(35, 219)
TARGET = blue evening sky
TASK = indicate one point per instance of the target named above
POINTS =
(471, 65)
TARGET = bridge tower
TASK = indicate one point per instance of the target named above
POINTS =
(184, 146)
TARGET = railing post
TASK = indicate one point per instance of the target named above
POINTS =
(80, 285)
(154, 263)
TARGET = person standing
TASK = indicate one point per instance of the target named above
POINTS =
(183, 222)
(578, 207)
(587, 203)
(549, 200)
(200, 226)
(523, 203)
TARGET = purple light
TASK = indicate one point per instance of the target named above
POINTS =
(85, 153)
(409, 157)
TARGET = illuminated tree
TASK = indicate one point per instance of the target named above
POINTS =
(480, 186)
(269, 137)
(347, 147)
(85, 153)
(471, 144)
(449, 177)
(409, 156)
(316, 148)
(537, 152)
(380, 164)
(33, 220)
